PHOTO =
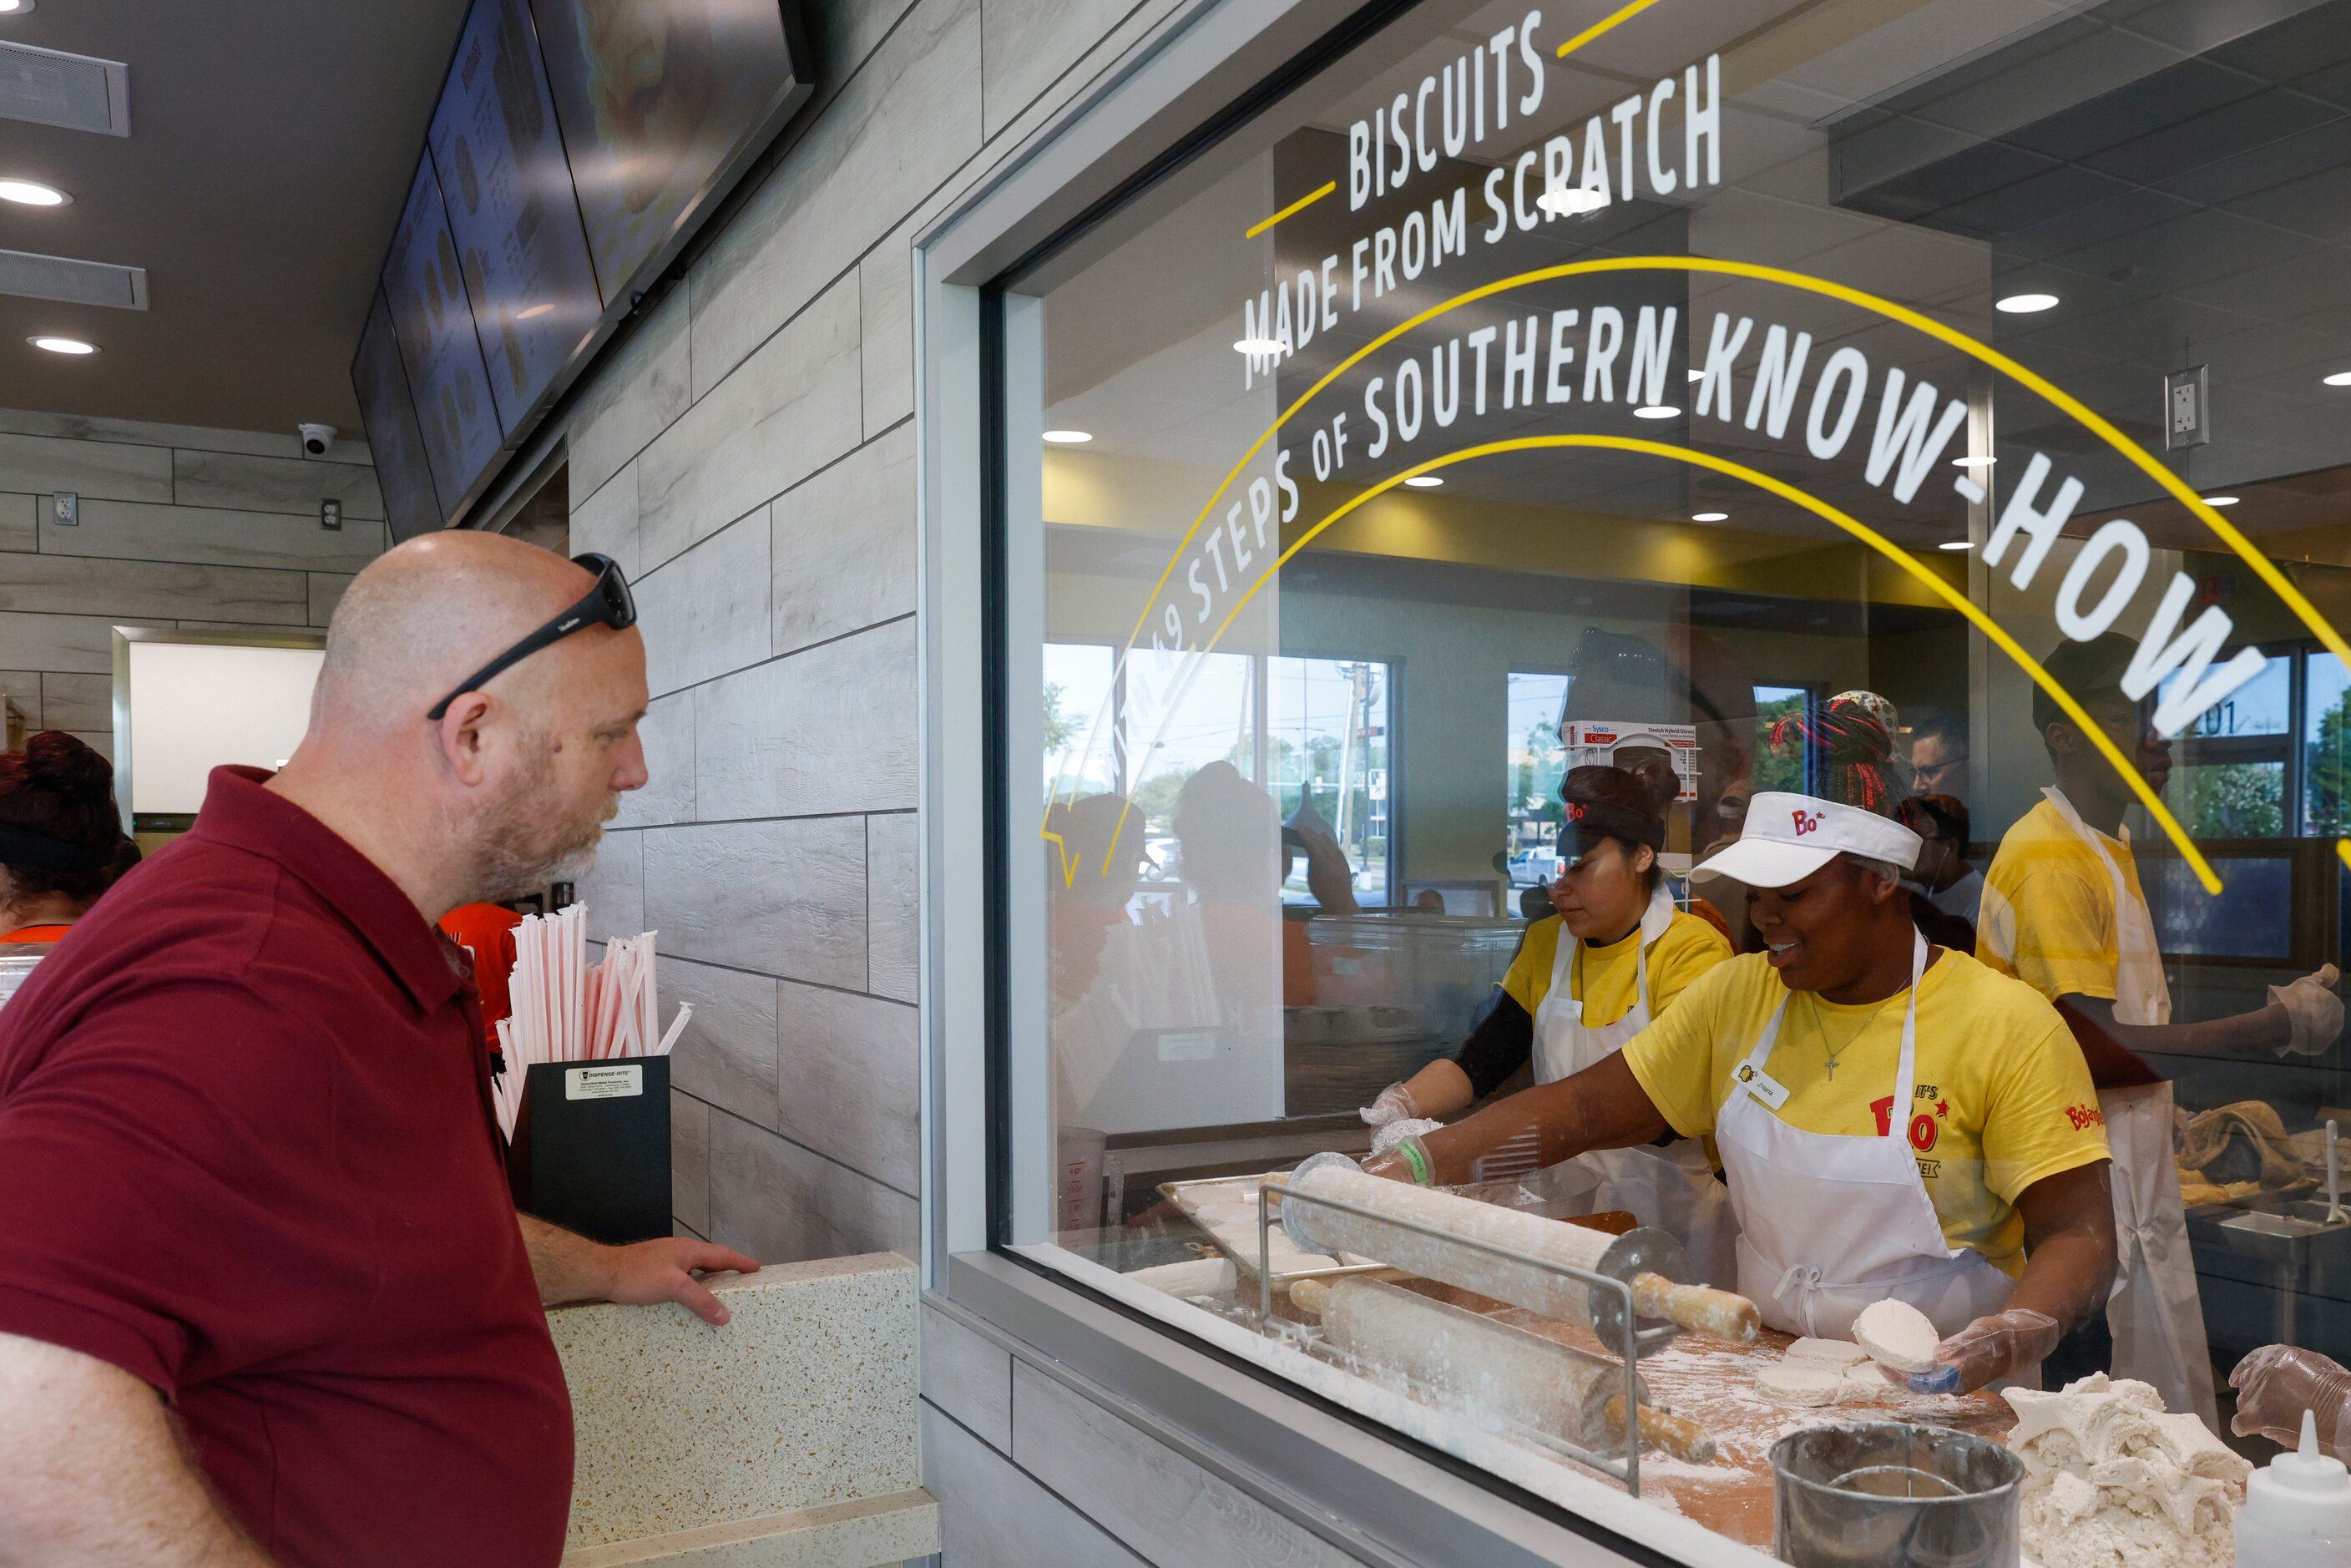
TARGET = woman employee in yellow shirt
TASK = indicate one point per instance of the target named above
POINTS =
(1585, 980)
(1893, 1121)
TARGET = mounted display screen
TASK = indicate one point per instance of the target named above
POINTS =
(576, 146)
(520, 248)
(437, 343)
(400, 469)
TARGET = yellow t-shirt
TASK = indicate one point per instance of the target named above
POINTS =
(2048, 915)
(2002, 1097)
(1689, 948)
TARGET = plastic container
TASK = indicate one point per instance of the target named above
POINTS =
(1885, 1494)
(17, 960)
(1446, 965)
(2297, 1510)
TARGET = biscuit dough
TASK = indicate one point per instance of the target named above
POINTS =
(2112, 1480)
(1794, 1383)
(1828, 1352)
(1897, 1334)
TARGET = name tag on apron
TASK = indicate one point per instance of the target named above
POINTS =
(1762, 1085)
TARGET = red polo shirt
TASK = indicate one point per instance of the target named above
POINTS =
(247, 1154)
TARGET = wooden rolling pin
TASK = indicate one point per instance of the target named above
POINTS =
(1489, 1372)
(1643, 1258)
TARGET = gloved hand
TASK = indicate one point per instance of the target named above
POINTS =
(2277, 1383)
(2315, 1013)
(1395, 1104)
(1389, 1136)
(1997, 1347)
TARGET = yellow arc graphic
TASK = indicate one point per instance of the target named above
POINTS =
(2219, 527)
(1624, 14)
(1813, 503)
(1294, 208)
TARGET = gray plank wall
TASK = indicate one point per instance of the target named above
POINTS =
(748, 454)
(180, 526)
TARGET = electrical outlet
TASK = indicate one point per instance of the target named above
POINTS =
(65, 509)
(2188, 408)
(330, 516)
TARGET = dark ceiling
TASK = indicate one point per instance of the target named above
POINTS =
(271, 143)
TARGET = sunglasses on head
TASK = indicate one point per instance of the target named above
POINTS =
(608, 603)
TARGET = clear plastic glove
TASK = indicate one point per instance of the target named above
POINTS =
(1389, 1135)
(2315, 1013)
(2277, 1383)
(1998, 1347)
(1395, 1104)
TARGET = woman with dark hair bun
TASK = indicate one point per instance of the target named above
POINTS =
(62, 840)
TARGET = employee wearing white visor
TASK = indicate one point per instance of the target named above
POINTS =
(1892, 1120)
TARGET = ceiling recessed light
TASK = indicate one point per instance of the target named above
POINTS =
(14, 7)
(1956, 544)
(1973, 462)
(32, 194)
(1069, 437)
(1424, 481)
(1571, 201)
(1658, 410)
(61, 345)
(1710, 516)
(534, 312)
(1697, 375)
(2339, 379)
(2025, 304)
(1259, 347)
(2220, 500)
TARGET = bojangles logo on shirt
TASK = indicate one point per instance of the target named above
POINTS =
(1806, 821)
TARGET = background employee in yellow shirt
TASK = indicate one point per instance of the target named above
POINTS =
(1585, 980)
(1893, 1121)
(2064, 911)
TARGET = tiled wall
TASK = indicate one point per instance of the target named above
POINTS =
(180, 526)
(748, 456)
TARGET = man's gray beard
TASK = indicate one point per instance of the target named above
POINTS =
(514, 856)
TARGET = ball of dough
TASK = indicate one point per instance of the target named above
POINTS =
(1794, 1383)
(1828, 1352)
(1897, 1334)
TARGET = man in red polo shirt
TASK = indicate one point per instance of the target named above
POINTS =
(248, 1161)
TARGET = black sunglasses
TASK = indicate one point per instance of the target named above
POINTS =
(609, 604)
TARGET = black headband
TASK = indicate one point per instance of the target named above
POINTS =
(19, 847)
(1617, 821)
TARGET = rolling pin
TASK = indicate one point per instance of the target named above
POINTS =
(1647, 1259)
(1489, 1372)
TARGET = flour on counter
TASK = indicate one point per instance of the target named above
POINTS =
(2112, 1480)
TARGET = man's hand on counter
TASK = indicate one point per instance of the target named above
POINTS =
(570, 1267)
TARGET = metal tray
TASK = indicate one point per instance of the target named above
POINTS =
(1177, 1193)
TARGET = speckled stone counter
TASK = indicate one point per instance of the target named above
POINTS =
(789, 1436)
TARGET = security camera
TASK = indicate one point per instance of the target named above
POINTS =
(316, 438)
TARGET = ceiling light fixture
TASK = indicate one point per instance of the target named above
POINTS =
(1658, 410)
(2220, 500)
(14, 7)
(1259, 347)
(56, 345)
(1710, 516)
(1069, 437)
(534, 312)
(1973, 462)
(32, 194)
(2025, 304)
(1956, 544)
(2339, 379)
(1571, 201)
(1424, 481)
(1698, 375)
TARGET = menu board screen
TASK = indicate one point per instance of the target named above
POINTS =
(435, 326)
(400, 469)
(508, 188)
(657, 101)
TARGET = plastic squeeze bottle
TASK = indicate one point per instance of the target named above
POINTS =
(2297, 1511)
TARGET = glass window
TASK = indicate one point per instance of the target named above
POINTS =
(1940, 410)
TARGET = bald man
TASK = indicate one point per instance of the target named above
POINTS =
(264, 1297)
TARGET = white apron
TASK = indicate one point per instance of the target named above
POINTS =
(2156, 1314)
(1673, 1189)
(1829, 1223)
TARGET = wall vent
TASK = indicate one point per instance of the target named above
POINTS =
(48, 88)
(75, 282)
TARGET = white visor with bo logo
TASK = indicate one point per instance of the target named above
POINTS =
(1788, 837)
